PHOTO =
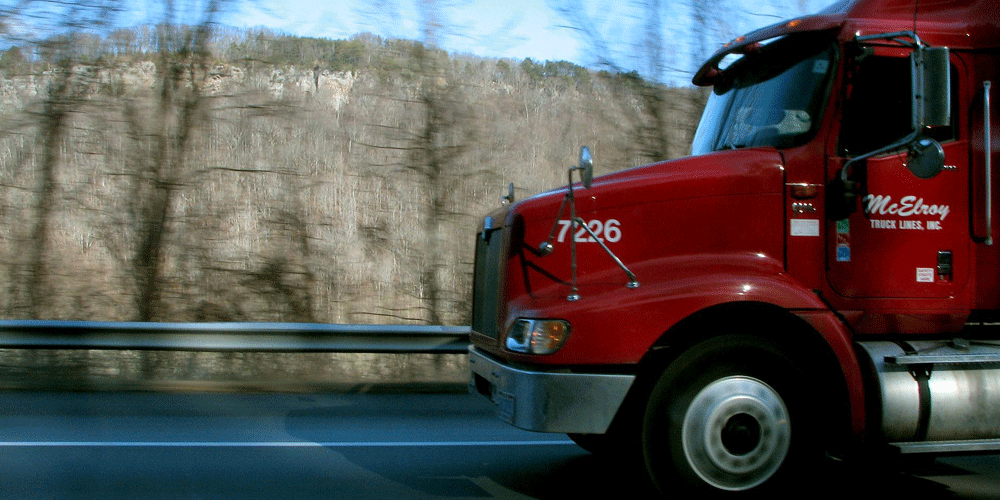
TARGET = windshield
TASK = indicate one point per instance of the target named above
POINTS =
(769, 98)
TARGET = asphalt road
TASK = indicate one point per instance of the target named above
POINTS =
(106, 445)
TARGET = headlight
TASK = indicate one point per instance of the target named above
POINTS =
(537, 336)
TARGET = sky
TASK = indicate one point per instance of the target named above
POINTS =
(493, 28)
(536, 29)
(515, 29)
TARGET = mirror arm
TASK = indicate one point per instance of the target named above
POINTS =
(845, 170)
(575, 294)
(546, 247)
(632, 281)
(896, 36)
(850, 189)
(586, 169)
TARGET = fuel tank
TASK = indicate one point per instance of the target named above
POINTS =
(935, 391)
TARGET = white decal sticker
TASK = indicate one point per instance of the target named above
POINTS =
(907, 225)
(805, 227)
(907, 206)
(925, 275)
(609, 231)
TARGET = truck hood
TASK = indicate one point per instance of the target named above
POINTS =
(672, 223)
(724, 173)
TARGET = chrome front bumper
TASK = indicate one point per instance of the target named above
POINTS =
(549, 401)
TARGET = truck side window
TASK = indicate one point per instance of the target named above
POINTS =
(877, 111)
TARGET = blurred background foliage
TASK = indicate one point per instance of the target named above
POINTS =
(173, 172)
(189, 171)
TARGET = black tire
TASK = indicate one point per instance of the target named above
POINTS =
(730, 417)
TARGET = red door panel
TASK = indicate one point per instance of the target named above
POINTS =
(905, 232)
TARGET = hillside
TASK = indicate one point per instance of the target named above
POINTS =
(272, 178)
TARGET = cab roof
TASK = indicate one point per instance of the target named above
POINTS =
(957, 24)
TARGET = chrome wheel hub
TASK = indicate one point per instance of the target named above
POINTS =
(736, 433)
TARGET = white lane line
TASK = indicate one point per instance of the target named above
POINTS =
(266, 444)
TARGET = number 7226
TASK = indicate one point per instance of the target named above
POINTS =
(609, 230)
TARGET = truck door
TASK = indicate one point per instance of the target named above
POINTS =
(909, 237)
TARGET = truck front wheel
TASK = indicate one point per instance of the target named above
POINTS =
(729, 415)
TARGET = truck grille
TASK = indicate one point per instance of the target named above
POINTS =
(488, 281)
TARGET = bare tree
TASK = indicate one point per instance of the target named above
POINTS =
(183, 61)
(433, 147)
(441, 142)
(653, 126)
(667, 116)
(58, 104)
(62, 98)
(701, 22)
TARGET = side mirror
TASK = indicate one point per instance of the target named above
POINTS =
(931, 87)
(925, 158)
(586, 167)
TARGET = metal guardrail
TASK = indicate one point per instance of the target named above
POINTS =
(233, 337)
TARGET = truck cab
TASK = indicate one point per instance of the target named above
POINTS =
(819, 277)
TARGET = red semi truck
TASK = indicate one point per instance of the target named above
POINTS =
(820, 277)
